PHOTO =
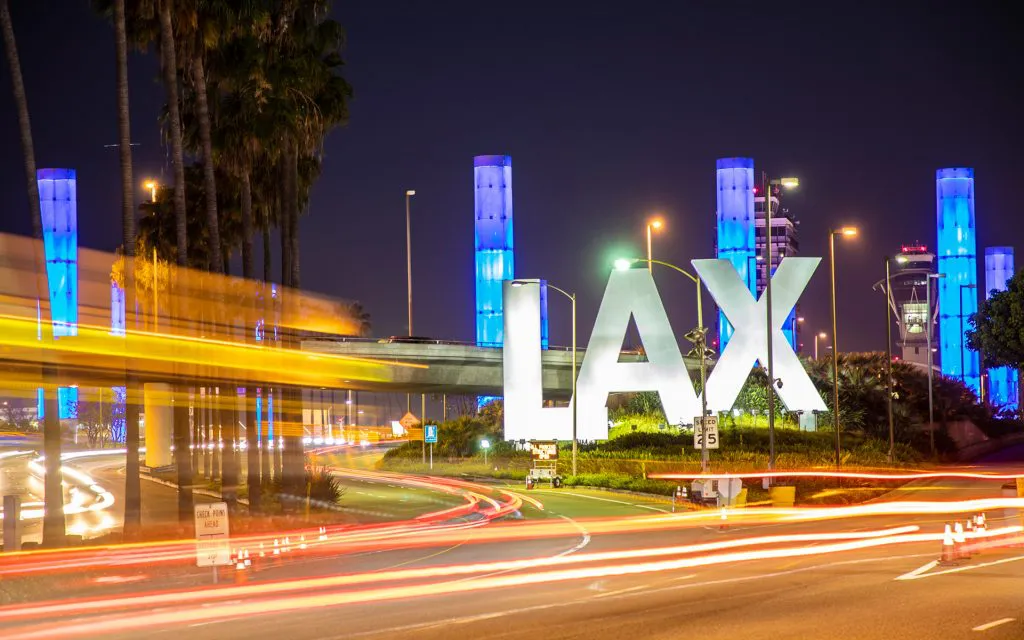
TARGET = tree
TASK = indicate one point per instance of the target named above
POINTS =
(997, 330)
(53, 511)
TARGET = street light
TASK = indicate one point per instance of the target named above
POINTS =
(928, 337)
(698, 336)
(575, 372)
(963, 365)
(846, 232)
(888, 361)
(785, 183)
(485, 445)
(408, 274)
(655, 224)
(822, 335)
(151, 185)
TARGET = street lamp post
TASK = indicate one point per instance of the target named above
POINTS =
(928, 338)
(655, 224)
(408, 273)
(888, 362)
(847, 232)
(768, 184)
(575, 369)
(485, 445)
(820, 334)
(151, 185)
(698, 337)
(963, 364)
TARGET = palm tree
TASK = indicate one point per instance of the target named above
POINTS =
(53, 511)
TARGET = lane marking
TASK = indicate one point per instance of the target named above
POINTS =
(994, 623)
(921, 574)
(918, 571)
(628, 504)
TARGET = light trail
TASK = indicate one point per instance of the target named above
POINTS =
(251, 606)
(917, 475)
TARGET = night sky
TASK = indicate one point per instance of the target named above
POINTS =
(611, 111)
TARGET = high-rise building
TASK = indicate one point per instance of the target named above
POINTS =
(784, 243)
(1002, 381)
(958, 262)
(909, 273)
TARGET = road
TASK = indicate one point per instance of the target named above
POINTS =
(557, 574)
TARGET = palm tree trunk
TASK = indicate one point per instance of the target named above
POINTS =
(248, 266)
(132, 488)
(170, 69)
(293, 216)
(53, 510)
(283, 225)
(209, 177)
(267, 258)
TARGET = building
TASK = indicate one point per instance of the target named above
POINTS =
(784, 243)
(735, 226)
(909, 301)
(1003, 387)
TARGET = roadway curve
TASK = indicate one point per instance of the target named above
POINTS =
(768, 574)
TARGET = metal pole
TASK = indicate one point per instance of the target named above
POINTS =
(423, 423)
(768, 319)
(702, 346)
(575, 442)
(888, 363)
(835, 344)
(928, 336)
(408, 276)
(650, 255)
(963, 365)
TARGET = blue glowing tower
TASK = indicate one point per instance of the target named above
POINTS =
(495, 251)
(58, 204)
(1002, 381)
(735, 177)
(958, 261)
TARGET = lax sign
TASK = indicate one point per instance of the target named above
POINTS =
(632, 293)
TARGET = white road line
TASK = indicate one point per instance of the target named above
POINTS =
(994, 623)
(918, 571)
(628, 504)
(920, 574)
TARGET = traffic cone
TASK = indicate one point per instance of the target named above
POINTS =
(960, 542)
(982, 523)
(323, 533)
(247, 559)
(240, 573)
(948, 556)
(723, 525)
(277, 547)
(302, 542)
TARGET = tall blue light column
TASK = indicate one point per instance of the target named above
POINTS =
(58, 203)
(495, 250)
(958, 261)
(1002, 381)
(736, 241)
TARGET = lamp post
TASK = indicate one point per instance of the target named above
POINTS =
(151, 185)
(698, 337)
(888, 362)
(408, 273)
(786, 183)
(575, 371)
(485, 445)
(963, 365)
(928, 338)
(655, 224)
(847, 232)
(820, 334)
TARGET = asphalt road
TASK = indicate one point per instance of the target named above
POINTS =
(640, 588)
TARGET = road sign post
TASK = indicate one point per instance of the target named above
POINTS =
(705, 432)
(213, 549)
(430, 437)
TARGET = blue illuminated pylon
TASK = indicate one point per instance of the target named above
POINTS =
(1002, 381)
(736, 236)
(58, 208)
(958, 261)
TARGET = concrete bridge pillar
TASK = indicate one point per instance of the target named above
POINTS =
(159, 420)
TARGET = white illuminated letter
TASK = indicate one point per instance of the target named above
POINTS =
(632, 292)
(750, 341)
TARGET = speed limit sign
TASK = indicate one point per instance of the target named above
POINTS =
(707, 431)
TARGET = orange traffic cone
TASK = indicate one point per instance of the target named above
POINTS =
(723, 525)
(948, 556)
(960, 542)
(240, 572)
(323, 533)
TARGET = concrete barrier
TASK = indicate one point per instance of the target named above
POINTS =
(782, 497)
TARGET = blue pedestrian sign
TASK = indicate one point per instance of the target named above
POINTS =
(430, 433)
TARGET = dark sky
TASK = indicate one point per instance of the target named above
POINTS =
(610, 111)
